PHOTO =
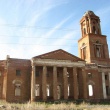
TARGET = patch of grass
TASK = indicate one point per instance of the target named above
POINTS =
(57, 105)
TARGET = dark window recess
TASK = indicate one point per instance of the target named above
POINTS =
(106, 77)
(47, 74)
(58, 74)
(84, 53)
(94, 30)
(84, 31)
(37, 73)
(18, 72)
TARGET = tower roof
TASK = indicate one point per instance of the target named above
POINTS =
(89, 13)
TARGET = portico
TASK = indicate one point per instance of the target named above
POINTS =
(57, 79)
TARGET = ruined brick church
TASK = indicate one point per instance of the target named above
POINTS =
(58, 74)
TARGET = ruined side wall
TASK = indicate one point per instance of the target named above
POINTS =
(25, 78)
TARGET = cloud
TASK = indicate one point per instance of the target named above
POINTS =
(43, 7)
(53, 30)
(19, 49)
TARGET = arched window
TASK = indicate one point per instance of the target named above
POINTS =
(94, 30)
(48, 90)
(17, 89)
(98, 50)
(90, 88)
(58, 92)
(37, 90)
(84, 31)
(98, 53)
(83, 51)
(58, 74)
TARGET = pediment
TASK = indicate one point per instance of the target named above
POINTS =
(59, 55)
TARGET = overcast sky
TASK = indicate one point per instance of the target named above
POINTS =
(32, 27)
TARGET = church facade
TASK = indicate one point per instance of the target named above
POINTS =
(58, 74)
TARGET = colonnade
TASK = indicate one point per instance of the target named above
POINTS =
(54, 83)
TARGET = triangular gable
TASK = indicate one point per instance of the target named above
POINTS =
(59, 55)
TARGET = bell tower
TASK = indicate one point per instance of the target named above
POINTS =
(92, 46)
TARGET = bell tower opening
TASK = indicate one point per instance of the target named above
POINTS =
(90, 23)
(83, 51)
(94, 30)
(93, 45)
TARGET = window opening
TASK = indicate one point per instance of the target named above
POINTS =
(94, 30)
(18, 72)
(106, 77)
(58, 74)
(84, 31)
(58, 92)
(90, 87)
(98, 51)
(48, 90)
(84, 53)
(17, 89)
(37, 73)
(37, 90)
(47, 74)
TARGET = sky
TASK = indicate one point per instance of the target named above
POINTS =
(32, 27)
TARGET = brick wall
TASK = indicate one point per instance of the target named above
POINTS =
(25, 67)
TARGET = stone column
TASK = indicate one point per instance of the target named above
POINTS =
(65, 81)
(86, 26)
(109, 84)
(44, 83)
(99, 27)
(84, 83)
(109, 79)
(75, 83)
(55, 83)
(90, 26)
(33, 84)
(103, 85)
